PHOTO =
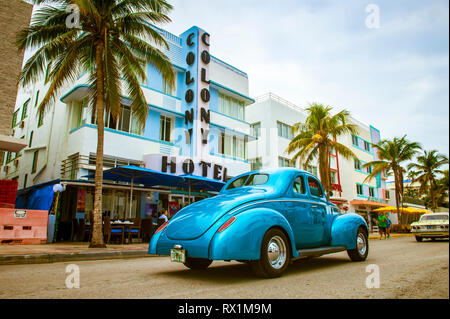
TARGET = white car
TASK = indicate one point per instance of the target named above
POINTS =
(434, 225)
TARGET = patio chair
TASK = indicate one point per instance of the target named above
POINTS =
(110, 230)
(134, 229)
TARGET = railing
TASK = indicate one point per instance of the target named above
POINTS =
(279, 99)
(73, 164)
(337, 187)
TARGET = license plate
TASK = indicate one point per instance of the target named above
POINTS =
(178, 255)
(430, 227)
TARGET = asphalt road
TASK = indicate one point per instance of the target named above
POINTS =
(407, 269)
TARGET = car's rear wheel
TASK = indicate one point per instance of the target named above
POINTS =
(197, 263)
(419, 239)
(362, 246)
(275, 255)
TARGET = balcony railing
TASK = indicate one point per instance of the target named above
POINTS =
(71, 166)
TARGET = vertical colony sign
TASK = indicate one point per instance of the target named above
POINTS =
(198, 120)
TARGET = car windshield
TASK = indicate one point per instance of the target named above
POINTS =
(249, 180)
(434, 217)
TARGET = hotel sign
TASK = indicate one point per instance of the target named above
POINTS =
(197, 118)
(179, 165)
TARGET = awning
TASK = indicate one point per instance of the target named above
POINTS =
(139, 175)
(199, 182)
(368, 203)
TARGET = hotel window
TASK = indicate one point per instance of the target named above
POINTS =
(284, 162)
(333, 177)
(168, 88)
(367, 146)
(14, 119)
(2, 157)
(164, 132)
(35, 160)
(232, 146)
(354, 140)
(387, 194)
(25, 109)
(231, 107)
(41, 118)
(312, 170)
(357, 164)
(284, 130)
(359, 189)
(369, 169)
(256, 129)
(25, 180)
(371, 192)
(256, 164)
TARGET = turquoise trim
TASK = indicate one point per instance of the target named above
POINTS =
(121, 133)
(232, 91)
(230, 157)
(166, 110)
(172, 96)
(230, 65)
(229, 129)
(72, 90)
(231, 117)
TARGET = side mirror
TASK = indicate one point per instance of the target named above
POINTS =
(330, 194)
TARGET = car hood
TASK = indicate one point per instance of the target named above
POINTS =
(430, 222)
(194, 220)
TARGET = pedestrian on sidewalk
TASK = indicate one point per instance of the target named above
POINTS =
(382, 225)
(388, 226)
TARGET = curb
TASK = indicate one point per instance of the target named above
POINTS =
(52, 258)
(392, 236)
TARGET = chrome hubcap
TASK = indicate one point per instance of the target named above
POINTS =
(361, 244)
(276, 251)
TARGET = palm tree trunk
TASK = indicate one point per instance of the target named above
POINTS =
(433, 204)
(397, 195)
(324, 168)
(97, 233)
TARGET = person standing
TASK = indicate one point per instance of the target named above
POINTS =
(388, 227)
(382, 225)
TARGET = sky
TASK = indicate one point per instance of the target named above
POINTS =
(387, 62)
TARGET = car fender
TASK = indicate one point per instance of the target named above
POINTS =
(154, 242)
(344, 228)
(242, 239)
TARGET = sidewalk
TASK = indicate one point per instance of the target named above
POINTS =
(72, 251)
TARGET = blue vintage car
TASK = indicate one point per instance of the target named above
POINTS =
(266, 218)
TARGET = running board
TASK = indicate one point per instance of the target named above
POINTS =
(316, 252)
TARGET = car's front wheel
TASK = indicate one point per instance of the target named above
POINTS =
(197, 263)
(419, 239)
(362, 246)
(275, 255)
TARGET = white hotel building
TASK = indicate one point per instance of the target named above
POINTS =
(271, 118)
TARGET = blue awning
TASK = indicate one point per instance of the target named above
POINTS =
(199, 182)
(149, 177)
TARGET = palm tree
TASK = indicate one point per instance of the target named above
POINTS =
(317, 136)
(391, 154)
(427, 166)
(113, 42)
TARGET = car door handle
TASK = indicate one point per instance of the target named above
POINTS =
(314, 206)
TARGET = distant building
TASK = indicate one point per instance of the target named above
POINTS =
(271, 119)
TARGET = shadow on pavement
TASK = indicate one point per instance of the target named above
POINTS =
(235, 272)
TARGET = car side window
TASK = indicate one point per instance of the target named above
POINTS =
(314, 187)
(238, 182)
(299, 185)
